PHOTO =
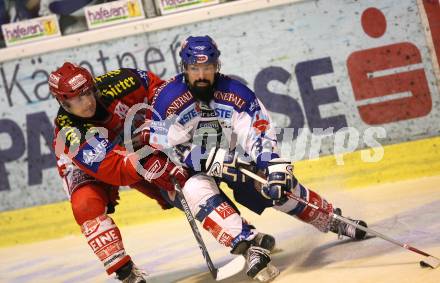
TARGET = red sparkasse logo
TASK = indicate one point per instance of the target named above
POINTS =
(261, 125)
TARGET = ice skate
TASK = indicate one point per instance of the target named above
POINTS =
(259, 266)
(264, 241)
(344, 229)
(130, 273)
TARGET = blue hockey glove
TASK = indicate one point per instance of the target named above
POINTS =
(280, 180)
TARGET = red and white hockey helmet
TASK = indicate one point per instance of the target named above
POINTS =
(69, 81)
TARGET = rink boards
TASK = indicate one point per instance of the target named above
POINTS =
(404, 161)
(337, 76)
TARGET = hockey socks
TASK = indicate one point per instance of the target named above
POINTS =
(305, 213)
(104, 237)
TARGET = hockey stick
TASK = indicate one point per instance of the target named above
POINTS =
(429, 261)
(223, 272)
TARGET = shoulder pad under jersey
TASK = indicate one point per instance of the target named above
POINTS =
(172, 97)
(234, 93)
(117, 84)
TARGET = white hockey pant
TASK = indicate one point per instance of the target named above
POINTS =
(214, 211)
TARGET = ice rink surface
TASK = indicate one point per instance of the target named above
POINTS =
(406, 211)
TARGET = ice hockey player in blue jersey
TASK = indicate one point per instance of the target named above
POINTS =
(211, 124)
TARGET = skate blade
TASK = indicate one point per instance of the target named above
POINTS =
(267, 274)
(430, 261)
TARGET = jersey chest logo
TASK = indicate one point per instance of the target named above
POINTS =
(121, 110)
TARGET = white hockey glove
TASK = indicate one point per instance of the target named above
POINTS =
(224, 164)
(280, 180)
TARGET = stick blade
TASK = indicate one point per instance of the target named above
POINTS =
(431, 262)
(231, 268)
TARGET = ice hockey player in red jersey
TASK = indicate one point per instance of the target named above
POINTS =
(92, 161)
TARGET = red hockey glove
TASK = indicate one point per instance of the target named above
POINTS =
(141, 137)
(158, 169)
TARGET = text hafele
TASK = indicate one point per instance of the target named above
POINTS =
(104, 13)
(22, 31)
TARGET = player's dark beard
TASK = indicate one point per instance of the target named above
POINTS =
(204, 93)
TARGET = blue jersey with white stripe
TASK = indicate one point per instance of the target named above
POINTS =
(234, 117)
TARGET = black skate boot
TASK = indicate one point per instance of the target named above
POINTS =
(258, 264)
(344, 229)
(264, 241)
(130, 273)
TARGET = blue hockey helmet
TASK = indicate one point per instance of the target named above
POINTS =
(199, 50)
